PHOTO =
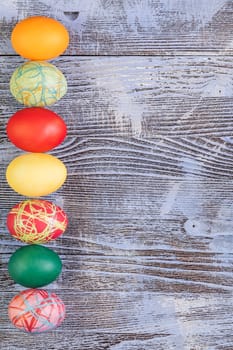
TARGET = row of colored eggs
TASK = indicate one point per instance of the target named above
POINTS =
(35, 221)
(36, 130)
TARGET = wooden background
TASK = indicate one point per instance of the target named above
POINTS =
(148, 261)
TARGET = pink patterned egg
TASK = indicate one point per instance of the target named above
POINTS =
(36, 311)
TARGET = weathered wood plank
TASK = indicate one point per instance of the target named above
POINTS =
(168, 272)
(129, 321)
(189, 159)
(147, 97)
(148, 252)
(156, 230)
(131, 27)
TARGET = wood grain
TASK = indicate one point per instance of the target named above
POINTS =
(127, 223)
(135, 321)
(131, 27)
(136, 239)
(146, 97)
(190, 159)
(148, 217)
(147, 256)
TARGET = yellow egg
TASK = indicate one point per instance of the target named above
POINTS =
(35, 174)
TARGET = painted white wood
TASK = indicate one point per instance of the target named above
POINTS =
(147, 97)
(147, 256)
(131, 27)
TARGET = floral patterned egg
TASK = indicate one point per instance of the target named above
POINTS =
(38, 83)
(36, 221)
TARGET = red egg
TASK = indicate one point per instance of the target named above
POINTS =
(36, 221)
(36, 129)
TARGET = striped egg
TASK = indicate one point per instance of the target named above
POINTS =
(36, 311)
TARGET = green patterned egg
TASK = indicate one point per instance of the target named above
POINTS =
(38, 83)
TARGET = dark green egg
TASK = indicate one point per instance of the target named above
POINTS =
(34, 266)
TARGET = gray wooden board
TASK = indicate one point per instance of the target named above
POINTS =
(139, 96)
(119, 321)
(147, 263)
(147, 256)
(131, 27)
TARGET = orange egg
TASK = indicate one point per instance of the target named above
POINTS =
(39, 38)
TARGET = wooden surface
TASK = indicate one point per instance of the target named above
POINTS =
(147, 256)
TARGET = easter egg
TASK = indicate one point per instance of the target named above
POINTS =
(36, 311)
(36, 221)
(38, 84)
(35, 174)
(34, 266)
(39, 38)
(36, 129)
